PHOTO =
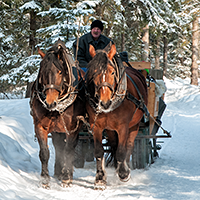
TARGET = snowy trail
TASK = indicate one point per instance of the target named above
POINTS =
(175, 175)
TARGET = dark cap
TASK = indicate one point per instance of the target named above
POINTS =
(97, 23)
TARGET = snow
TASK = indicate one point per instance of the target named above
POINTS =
(30, 5)
(85, 4)
(174, 175)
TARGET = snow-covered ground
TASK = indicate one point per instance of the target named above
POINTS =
(174, 175)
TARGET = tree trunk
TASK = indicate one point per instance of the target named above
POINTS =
(33, 27)
(194, 67)
(122, 42)
(145, 40)
(157, 56)
(165, 53)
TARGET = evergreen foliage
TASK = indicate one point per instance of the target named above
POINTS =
(27, 24)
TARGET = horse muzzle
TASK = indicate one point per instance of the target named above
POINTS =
(105, 104)
(52, 106)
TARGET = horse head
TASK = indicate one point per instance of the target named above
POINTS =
(53, 75)
(102, 71)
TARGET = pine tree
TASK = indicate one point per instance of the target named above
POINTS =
(13, 46)
(63, 23)
(25, 25)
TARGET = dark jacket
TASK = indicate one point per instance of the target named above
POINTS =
(83, 48)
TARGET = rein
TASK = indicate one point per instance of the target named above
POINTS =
(141, 105)
(77, 43)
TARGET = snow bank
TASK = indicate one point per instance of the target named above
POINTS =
(175, 175)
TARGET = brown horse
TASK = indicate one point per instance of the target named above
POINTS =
(57, 105)
(116, 99)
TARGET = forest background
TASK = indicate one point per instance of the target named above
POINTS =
(163, 32)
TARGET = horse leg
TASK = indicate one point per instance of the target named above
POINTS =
(67, 166)
(112, 143)
(123, 169)
(100, 179)
(68, 158)
(42, 136)
(130, 143)
(58, 140)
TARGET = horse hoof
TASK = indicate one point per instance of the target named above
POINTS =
(66, 183)
(46, 186)
(44, 182)
(100, 185)
(125, 179)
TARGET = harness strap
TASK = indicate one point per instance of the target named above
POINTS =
(74, 72)
(136, 87)
(52, 86)
(139, 103)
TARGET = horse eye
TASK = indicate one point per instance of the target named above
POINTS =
(60, 72)
(112, 73)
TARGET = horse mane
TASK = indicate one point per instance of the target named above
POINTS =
(57, 46)
(52, 55)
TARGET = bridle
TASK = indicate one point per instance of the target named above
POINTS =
(106, 84)
(60, 87)
(118, 89)
(69, 85)
(52, 86)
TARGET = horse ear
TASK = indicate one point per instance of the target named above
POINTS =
(112, 52)
(92, 51)
(108, 47)
(42, 54)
